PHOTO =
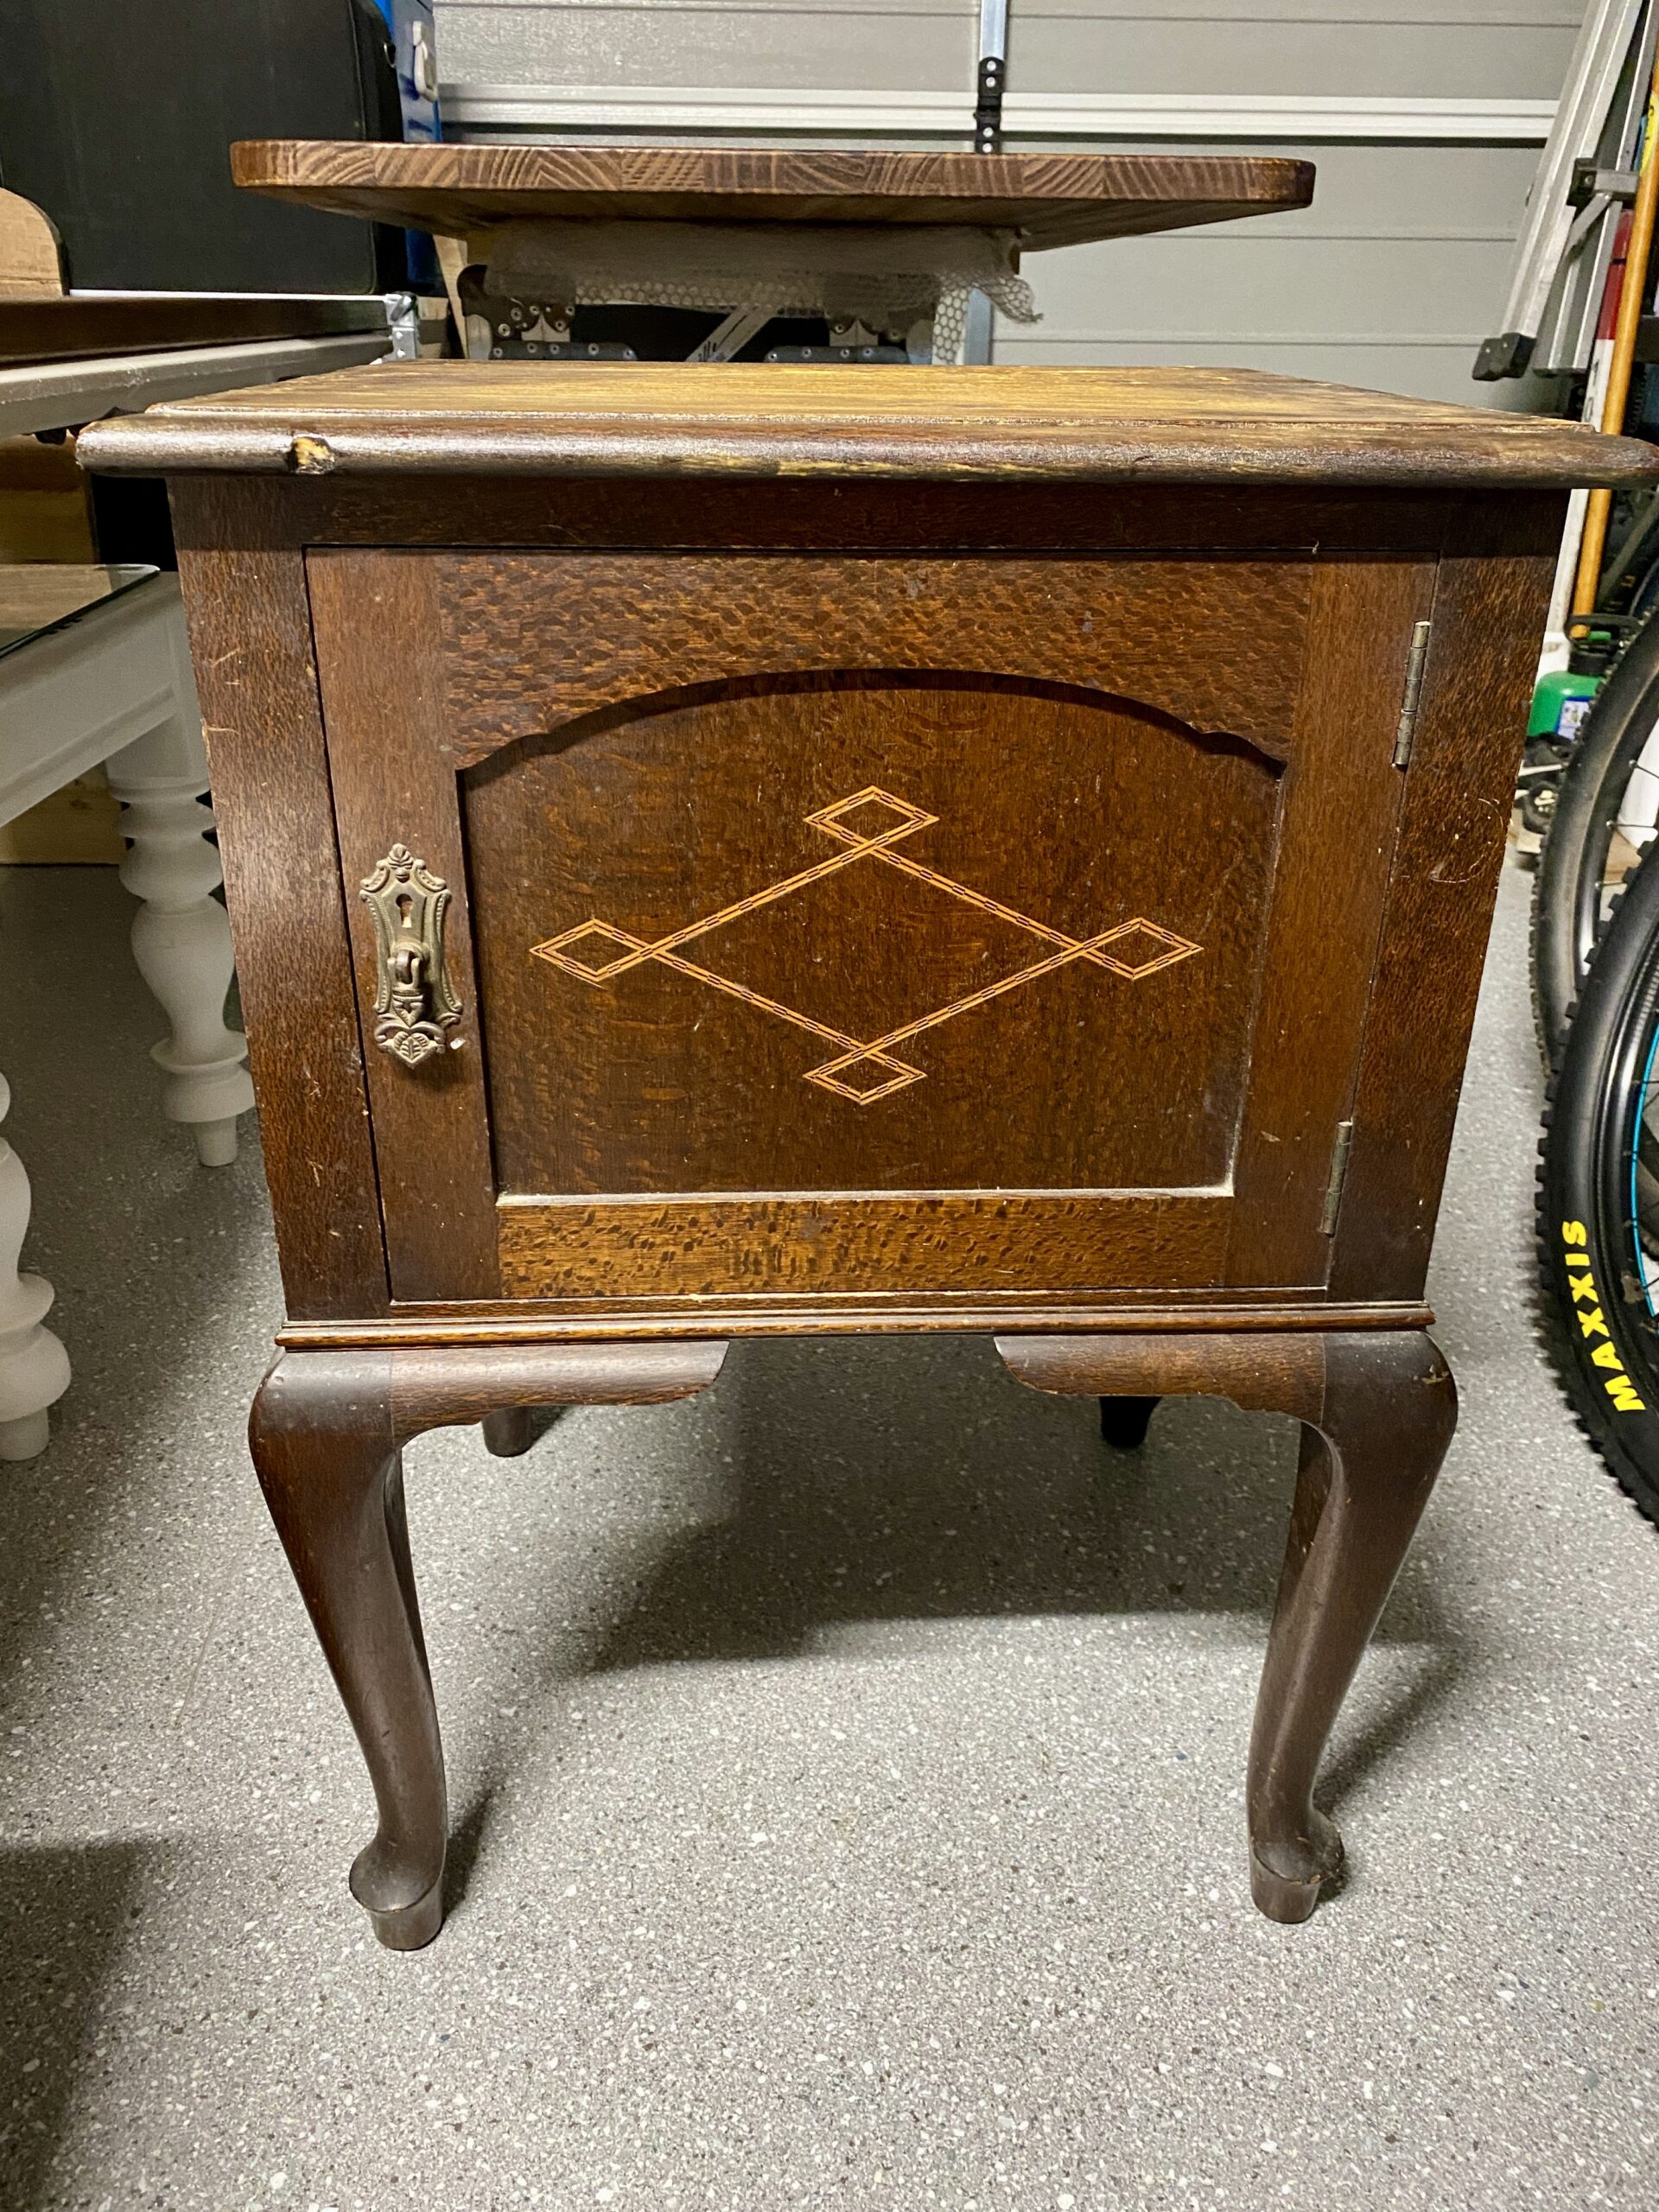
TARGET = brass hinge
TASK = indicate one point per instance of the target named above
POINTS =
(1416, 662)
(1338, 1177)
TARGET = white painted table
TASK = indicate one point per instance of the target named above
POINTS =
(94, 666)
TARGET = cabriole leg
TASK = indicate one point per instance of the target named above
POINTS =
(326, 1431)
(326, 1450)
(1378, 1407)
(1368, 1465)
(180, 935)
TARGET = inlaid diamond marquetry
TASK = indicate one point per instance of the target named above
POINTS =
(867, 827)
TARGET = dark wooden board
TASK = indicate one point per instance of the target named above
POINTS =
(734, 514)
(537, 641)
(80, 326)
(1192, 426)
(720, 1093)
(274, 515)
(1317, 964)
(917, 1243)
(250, 643)
(684, 756)
(522, 1320)
(1050, 199)
(1493, 590)
(381, 692)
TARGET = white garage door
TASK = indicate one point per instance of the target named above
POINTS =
(1425, 122)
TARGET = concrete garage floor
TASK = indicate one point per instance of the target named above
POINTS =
(846, 1765)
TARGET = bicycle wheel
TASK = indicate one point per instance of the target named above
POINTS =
(1599, 1198)
(1610, 790)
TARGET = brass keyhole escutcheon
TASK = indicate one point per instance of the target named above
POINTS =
(413, 1001)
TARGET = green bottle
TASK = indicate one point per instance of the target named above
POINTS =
(1560, 703)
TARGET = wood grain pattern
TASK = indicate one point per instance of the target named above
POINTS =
(1489, 611)
(724, 1065)
(1095, 425)
(630, 513)
(535, 641)
(664, 1087)
(433, 1387)
(31, 253)
(1343, 794)
(927, 1242)
(547, 1321)
(1280, 1373)
(949, 952)
(250, 642)
(382, 682)
(1050, 199)
(52, 327)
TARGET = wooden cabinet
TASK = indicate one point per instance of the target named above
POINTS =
(883, 925)
(755, 850)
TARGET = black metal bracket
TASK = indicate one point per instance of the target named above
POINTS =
(987, 107)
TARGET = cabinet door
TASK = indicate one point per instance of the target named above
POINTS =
(863, 928)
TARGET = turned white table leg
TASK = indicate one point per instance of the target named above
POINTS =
(180, 938)
(33, 1365)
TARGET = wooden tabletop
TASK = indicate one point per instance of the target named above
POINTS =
(81, 326)
(35, 596)
(1110, 425)
(1050, 199)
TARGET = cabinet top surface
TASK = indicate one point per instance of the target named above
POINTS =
(1103, 425)
(1061, 199)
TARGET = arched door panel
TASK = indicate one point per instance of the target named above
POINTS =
(861, 928)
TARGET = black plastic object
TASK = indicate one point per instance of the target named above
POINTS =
(1509, 354)
(116, 116)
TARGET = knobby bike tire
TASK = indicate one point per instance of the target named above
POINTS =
(1566, 896)
(1598, 1197)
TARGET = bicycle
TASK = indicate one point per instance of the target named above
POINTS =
(1604, 814)
(1598, 1197)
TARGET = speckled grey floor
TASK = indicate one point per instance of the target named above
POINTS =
(846, 1765)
